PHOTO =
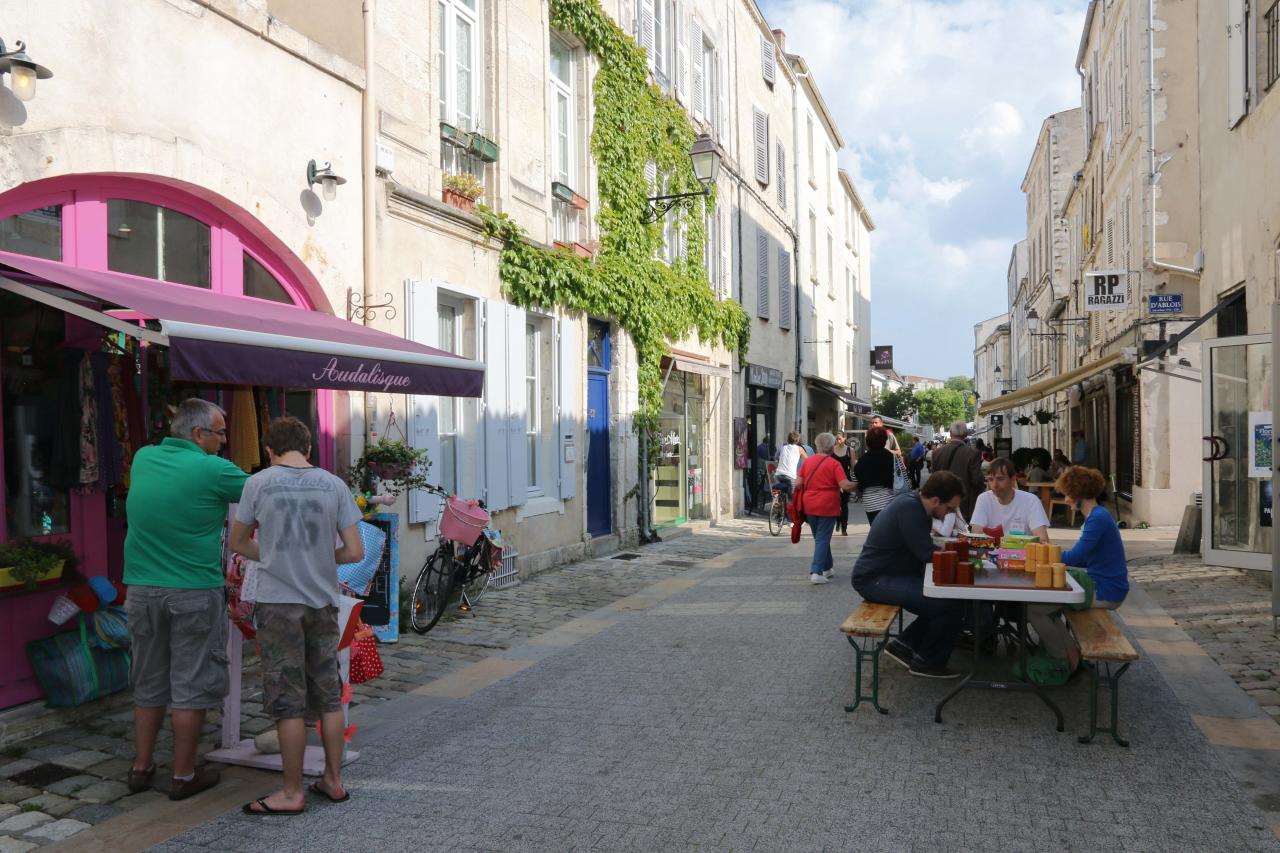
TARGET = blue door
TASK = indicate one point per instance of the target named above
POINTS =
(599, 478)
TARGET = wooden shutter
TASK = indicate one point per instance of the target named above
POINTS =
(1111, 240)
(424, 414)
(723, 286)
(517, 448)
(762, 275)
(1237, 62)
(568, 380)
(768, 60)
(760, 140)
(679, 28)
(698, 69)
(785, 297)
(644, 30)
(781, 166)
(497, 467)
(721, 84)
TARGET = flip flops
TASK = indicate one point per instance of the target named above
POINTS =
(316, 789)
(265, 809)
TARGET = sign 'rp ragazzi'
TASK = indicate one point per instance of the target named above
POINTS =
(1106, 290)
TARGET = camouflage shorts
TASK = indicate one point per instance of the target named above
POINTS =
(299, 647)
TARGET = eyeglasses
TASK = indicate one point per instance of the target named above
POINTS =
(220, 432)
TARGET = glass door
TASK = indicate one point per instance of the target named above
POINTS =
(1238, 448)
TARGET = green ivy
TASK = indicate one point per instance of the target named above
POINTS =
(655, 303)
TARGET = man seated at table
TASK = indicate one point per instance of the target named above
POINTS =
(1004, 505)
(890, 570)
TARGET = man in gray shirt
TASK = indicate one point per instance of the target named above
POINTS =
(890, 570)
(298, 511)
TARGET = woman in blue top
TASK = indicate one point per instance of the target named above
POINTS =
(1099, 551)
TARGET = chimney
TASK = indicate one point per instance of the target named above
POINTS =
(781, 38)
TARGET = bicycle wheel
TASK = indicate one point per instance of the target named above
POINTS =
(477, 586)
(777, 515)
(431, 592)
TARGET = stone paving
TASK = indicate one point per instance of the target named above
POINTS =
(60, 782)
(712, 718)
(1227, 612)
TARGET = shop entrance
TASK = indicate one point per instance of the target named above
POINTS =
(680, 487)
(1237, 481)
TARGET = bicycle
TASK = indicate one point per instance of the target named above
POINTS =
(778, 510)
(455, 570)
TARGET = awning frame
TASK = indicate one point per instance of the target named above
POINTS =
(1039, 390)
(84, 312)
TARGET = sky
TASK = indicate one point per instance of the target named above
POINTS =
(939, 103)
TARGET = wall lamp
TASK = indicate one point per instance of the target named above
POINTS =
(23, 71)
(1033, 323)
(706, 156)
(328, 179)
(1002, 382)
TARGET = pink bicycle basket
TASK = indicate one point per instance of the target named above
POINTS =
(462, 521)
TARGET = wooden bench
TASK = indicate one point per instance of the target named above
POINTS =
(868, 629)
(1102, 646)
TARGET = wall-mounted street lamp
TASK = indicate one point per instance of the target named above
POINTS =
(706, 156)
(328, 180)
(1033, 323)
(23, 71)
(1002, 382)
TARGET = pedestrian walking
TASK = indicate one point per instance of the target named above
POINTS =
(844, 455)
(822, 480)
(177, 506)
(890, 570)
(297, 511)
(892, 443)
(915, 461)
(965, 462)
(873, 473)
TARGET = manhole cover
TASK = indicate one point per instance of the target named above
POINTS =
(626, 556)
(44, 774)
(684, 564)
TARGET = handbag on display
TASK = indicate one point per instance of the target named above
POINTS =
(366, 660)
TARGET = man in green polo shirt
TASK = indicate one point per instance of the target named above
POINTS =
(178, 497)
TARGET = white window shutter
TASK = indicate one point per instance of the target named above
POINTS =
(568, 378)
(768, 60)
(679, 27)
(644, 30)
(762, 275)
(517, 440)
(698, 69)
(1237, 62)
(784, 289)
(722, 84)
(497, 412)
(781, 166)
(760, 140)
(723, 286)
(424, 328)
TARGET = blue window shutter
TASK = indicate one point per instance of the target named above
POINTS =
(424, 328)
(569, 379)
(516, 414)
(762, 275)
(497, 467)
(784, 289)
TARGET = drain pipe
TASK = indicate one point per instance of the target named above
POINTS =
(368, 196)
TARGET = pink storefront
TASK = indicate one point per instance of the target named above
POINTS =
(120, 295)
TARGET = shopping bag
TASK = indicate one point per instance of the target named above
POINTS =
(110, 628)
(900, 482)
(71, 672)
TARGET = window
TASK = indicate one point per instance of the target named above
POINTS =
(813, 247)
(849, 295)
(831, 349)
(768, 59)
(706, 99)
(813, 180)
(661, 40)
(782, 175)
(1270, 53)
(261, 284)
(37, 233)
(1233, 319)
(564, 138)
(447, 423)
(458, 62)
(760, 139)
(539, 409)
(831, 267)
(831, 172)
(156, 242)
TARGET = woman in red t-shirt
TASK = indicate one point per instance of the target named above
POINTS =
(823, 479)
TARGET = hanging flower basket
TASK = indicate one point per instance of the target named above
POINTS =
(1022, 420)
(394, 464)
(1043, 416)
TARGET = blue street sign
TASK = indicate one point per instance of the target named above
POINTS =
(1164, 303)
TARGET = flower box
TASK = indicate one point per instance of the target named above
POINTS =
(483, 148)
(454, 136)
(8, 581)
(459, 200)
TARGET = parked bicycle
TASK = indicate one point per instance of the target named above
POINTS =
(461, 568)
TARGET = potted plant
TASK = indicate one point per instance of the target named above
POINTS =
(462, 189)
(1043, 416)
(483, 148)
(394, 464)
(25, 563)
(1022, 420)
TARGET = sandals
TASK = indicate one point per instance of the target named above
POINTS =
(266, 809)
(316, 789)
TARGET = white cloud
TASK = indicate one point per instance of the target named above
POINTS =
(939, 102)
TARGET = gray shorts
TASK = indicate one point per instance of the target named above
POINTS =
(179, 650)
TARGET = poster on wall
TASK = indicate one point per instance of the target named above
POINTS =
(1265, 512)
(1260, 460)
(740, 459)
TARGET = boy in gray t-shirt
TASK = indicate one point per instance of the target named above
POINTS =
(298, 510)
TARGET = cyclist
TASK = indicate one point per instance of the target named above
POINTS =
(789, 459)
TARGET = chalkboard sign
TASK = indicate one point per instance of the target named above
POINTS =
(382, 604)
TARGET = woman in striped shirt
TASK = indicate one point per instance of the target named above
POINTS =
(873, 473)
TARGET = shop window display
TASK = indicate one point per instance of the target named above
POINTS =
(37, 233)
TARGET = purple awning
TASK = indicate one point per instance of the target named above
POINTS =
(218, 338)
